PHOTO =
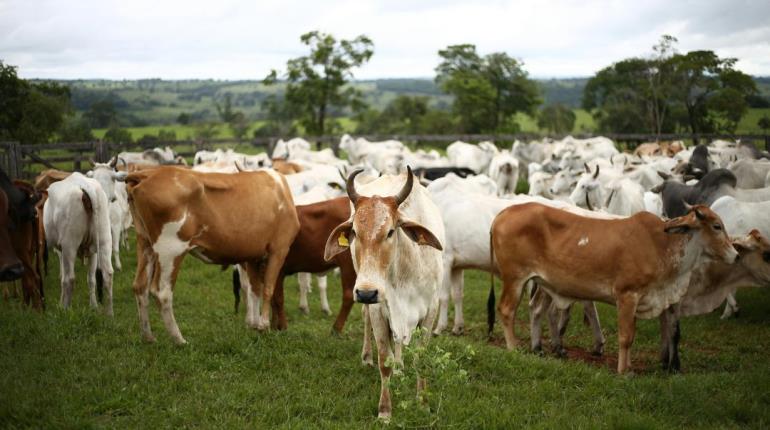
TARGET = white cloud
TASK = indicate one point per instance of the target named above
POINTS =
(230, 39)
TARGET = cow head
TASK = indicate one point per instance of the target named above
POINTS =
(588, 190)
(754, 255)
(704, 223)
(563, 181)
(374, 235)
(106, 174)
(10, 265)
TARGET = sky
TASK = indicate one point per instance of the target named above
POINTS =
(229, 39)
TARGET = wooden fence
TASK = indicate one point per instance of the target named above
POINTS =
(25, 161)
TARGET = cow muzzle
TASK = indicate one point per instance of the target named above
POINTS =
(366, 296)
(11, 273)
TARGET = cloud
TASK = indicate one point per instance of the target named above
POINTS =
(230, 39)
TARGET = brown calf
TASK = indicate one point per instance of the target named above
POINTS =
(245, 218)
(641, 264)
(306, 254)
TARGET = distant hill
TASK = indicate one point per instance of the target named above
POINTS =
(155, 101)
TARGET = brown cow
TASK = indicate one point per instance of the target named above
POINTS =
(25, 241)
(641, 263)
(247, 218)
(48, 177)
(306, 254)
(11, 267)
(286, 167)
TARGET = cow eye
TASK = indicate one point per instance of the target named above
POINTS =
(766, 256)
(390, 233)
(352, 234)
(717, 227)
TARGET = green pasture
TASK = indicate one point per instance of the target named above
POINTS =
(81, 369)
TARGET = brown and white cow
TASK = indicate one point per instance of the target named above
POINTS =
(394, 237)
(306, 254)
(641, 263)
(247, 218)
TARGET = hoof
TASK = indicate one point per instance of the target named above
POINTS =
(263, 324)
(148, 339)
(538, 350)
(384, 417)
(560, 352)
(180, 341)
(367, 361)
(598, 351)
(336, 333)
(458, 331)
(327, 312)
(305, 311)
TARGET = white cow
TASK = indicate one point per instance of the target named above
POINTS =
(284, 149)
(395, 243)
(77, 223)
(358, 149)
(504, 170)
(740, 218)
(474, 157)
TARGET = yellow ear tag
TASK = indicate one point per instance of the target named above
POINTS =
(342, 240)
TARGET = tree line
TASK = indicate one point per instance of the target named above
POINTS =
(662, 91)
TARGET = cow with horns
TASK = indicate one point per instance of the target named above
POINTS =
(394, 237)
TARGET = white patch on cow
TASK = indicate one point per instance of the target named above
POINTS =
(168, 246)
(583, 241)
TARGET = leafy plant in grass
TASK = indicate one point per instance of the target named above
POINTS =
(443, 372)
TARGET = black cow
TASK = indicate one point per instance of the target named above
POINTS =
(713, 185)
(433, 173)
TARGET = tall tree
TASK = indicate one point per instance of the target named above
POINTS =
(556, 118)
(487, 90)
(316, 82)
(30, 112)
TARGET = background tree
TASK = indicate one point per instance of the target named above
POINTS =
(316, 82)
(30, 112)
(279, 118)
(76, 130)
(102, 114)
(488, 90)
(183, 118)
(116, 134)
(556, 118)
(764, 123)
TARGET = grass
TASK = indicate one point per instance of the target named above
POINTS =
(80, 369)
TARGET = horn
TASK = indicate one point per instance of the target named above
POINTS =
(664, 176)
(588, 169)
(238, 166)
(91, 160)
(123, 161)
(596, 175)
(350, 186)
(404, 193)
(588, 203)
(114, 162)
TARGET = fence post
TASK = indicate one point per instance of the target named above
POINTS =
(14, 160)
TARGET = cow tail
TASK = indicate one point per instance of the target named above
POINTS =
(45, 256)
(491, 298)
(99, 286)
(236, 288)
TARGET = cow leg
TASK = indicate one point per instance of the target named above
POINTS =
(731, 307)
(272, 271)
(322, 285)
(67, 273)
(538, 304)
(347, 281)
(592, 317)
(382, 336)
(304, 280)
(144, 273)
(105, 267)
(443, 300)
(115, 230)
(509, 302)
(366, 351)
(93, 262)
(558, 319)
(255, 275)
(458, 285)
(278, 320)
(168, 269)
(626, 329)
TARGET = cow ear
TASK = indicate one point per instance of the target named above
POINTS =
(678, 225)
(338, 241)
(420, 234)
(119, 176)
(335, 186)
(90, 173)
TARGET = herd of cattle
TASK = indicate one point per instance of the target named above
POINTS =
(665, 231)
